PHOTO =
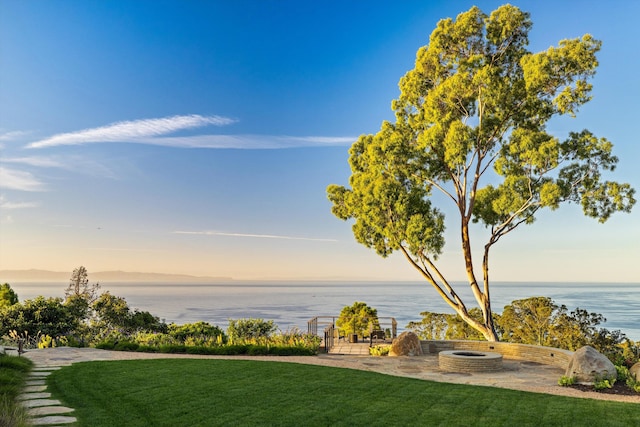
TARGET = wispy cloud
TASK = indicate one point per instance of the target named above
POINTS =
(72, 163)
(132, 131)
(254, 236)
(17, 205)
(19, 180)
(5, 204)
(9, 136)
(43, 162)
(248, 142)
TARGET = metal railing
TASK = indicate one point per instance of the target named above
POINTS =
(380, 329)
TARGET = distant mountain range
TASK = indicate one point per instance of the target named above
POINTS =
(9, 276)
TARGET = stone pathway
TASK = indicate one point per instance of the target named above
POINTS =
(43, 410)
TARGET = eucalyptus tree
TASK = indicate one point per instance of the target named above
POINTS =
(471, 123)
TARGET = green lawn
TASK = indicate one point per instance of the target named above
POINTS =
(180, 392)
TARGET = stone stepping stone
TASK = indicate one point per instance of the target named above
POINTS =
(40, 402)
(39, 374)
(34, 388)
(45, 368)
(29, 383)
(48, 410)
(53, 420)
(33, 396)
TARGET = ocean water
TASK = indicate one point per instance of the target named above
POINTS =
(292, 304)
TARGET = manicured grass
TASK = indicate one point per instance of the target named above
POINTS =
(179, 392)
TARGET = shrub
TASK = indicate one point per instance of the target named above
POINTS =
(248, 329)
(379, 350)
(602, 383)
(197, 329)
(566, 381)
(105, 345)
(126, 346)
(633, 384)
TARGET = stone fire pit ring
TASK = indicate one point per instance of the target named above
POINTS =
(469, 361)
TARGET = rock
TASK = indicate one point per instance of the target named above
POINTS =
(406, 344)
(634, 371)
(587, 365)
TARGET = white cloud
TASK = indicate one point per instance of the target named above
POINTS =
(9, 136)
(19, 180)
(45, 162)
(72, 163)
(255, 236)
(248, 142)
(16, 205)
(132, 131)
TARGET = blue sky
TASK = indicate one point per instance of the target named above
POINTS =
(198, 137)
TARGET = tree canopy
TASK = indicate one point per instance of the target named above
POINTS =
(471, 122)
(8, 296)
(79, 286)
(358, 319)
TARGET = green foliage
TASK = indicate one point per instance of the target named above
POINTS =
(248, 329)
(433, 326)
(79, 286)
(528, 320)
(440, 326)
(565, 381)
(47, 316)
(8, 296)
(358, 319)
(537, 321)
(622, 373)
(633, 384)
(113, 313)
(195, 330)
(259, 339)
(471, 122)
(603, 383)
(13, 375)
(379, 350)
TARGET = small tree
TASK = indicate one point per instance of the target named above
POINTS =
(8, 297)
(79, 286)
(529, 321)
(113, 313)
(358, 319)
(470, 122)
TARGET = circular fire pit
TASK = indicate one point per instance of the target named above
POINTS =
(469, 361)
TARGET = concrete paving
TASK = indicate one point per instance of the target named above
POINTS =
(517, 375)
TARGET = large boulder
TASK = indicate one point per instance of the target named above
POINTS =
(588, 366)
(634, 371)
(406, 344)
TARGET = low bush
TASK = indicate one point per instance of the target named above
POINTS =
(126, 346)
(379, 350)
(565, 381)
(633, 384)
(603, 383)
